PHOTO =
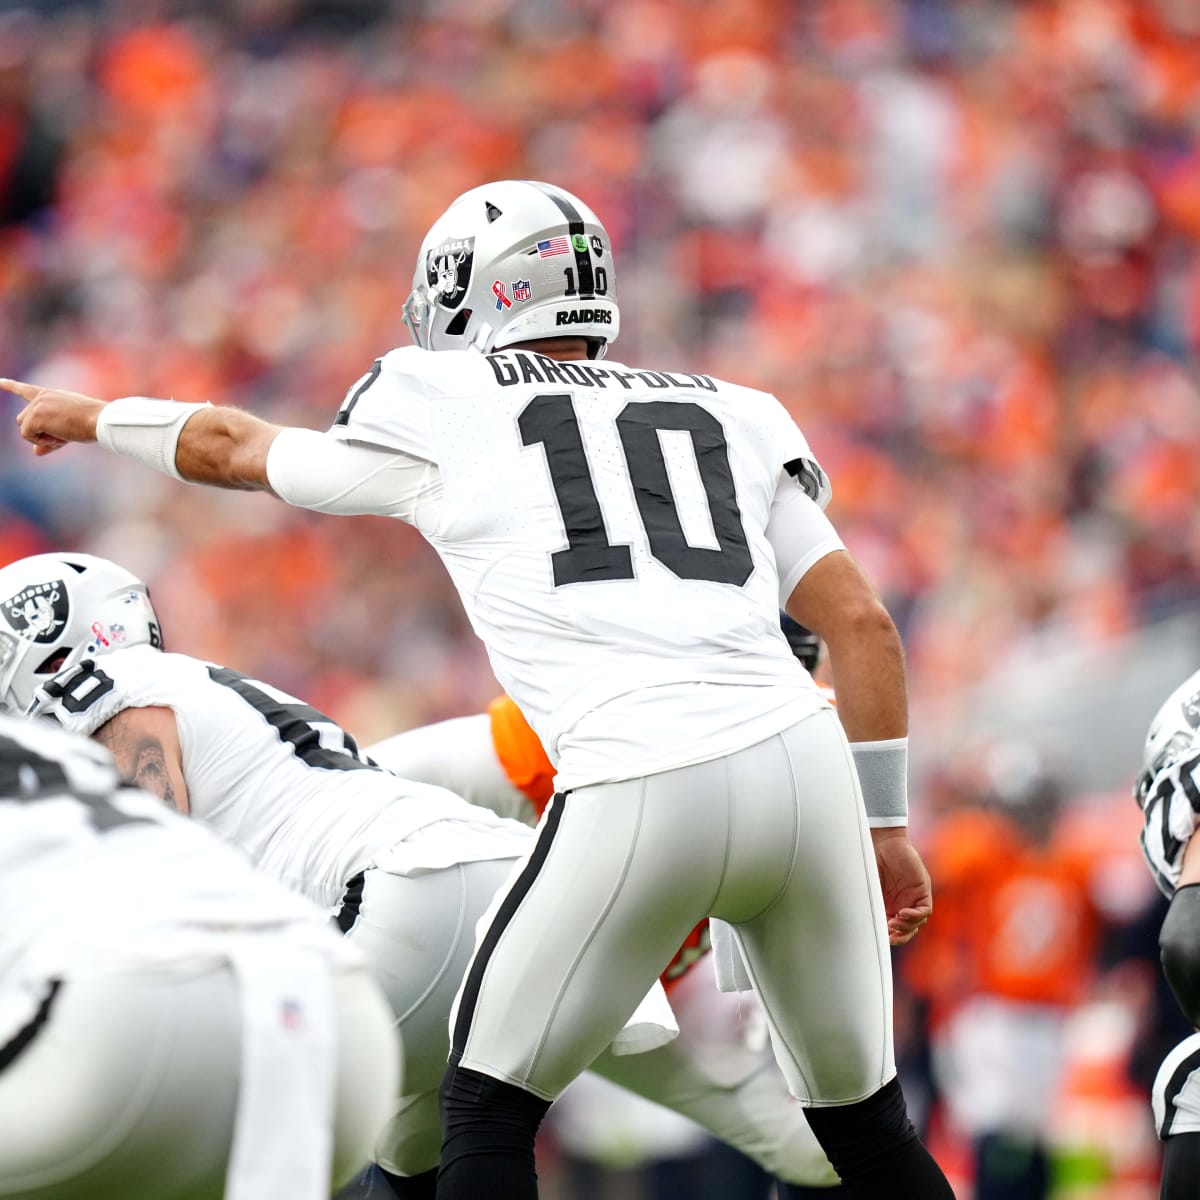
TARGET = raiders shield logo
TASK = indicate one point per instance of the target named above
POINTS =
(448, 271)
(38, 612)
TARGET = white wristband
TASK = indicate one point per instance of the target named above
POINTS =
(883, 776)
(145, 429)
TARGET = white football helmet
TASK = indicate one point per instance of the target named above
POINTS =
(511, 261)
(1174, 732)
(57, 609)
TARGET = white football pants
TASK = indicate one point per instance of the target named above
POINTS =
(418, 932)
(130, 1088)
(772, 838)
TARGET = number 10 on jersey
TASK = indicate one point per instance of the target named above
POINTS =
(550, 420)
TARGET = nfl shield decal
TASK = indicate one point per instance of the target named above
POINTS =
(448, 271)
(38, 612)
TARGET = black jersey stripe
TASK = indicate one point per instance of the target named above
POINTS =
(504, 914)
(343, 417)
(583, 258)
(1175, 1085)
(351, 903)
(297, 724)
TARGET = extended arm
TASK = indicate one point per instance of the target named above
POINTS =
(219, 446)
(228, 448)
(145, 744)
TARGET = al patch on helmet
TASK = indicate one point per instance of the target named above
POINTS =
(448, 271)
(38, 612)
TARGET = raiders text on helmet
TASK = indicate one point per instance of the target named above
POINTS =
(57, 609)
(510, 262)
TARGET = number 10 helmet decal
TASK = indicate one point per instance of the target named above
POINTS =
(511, 261)
(56, 610)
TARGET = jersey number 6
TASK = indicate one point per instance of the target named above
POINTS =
(550, 420)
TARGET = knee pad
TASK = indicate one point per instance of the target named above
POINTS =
(1175, 1096)
(1179, 944)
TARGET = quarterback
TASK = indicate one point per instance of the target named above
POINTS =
(494, 759)
(622, 539)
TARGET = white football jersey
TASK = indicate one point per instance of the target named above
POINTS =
(96, 878)
(611, 533)
(1168, 786)
(265, 770)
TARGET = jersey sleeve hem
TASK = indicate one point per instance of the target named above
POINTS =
(789, 579)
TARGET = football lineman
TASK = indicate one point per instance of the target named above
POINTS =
(622, 539)
(1168, 792)
(172, 1024)
(405, 869)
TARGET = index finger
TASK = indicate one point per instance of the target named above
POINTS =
(26, 391)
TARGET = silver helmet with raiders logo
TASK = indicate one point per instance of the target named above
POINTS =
(58, 609)
(510, 262)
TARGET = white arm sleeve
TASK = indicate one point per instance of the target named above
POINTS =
(799, 533)
(315, 470)
(460, 755)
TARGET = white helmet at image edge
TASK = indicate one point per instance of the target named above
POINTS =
(58, 609)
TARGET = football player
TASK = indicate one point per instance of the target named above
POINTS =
(622, 539)
(172, 1023)
(405, 869)
(1168, 792)
(495, 759)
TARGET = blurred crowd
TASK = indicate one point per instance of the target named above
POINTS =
(957, 239)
